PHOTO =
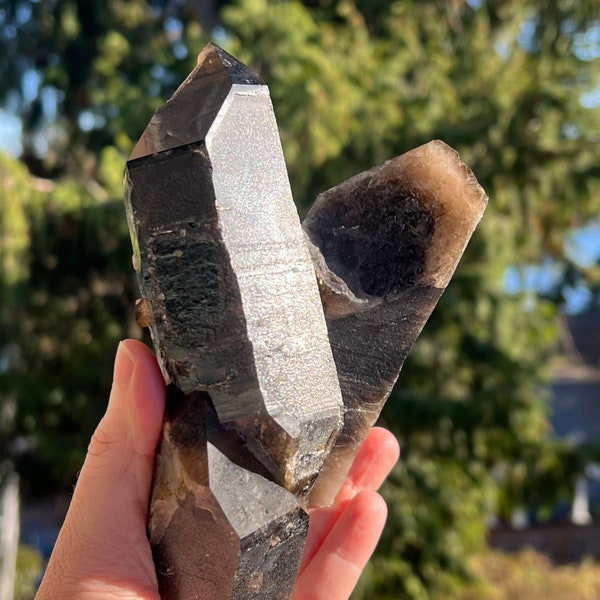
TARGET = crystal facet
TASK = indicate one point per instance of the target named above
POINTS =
(219, 527)
(189, 114)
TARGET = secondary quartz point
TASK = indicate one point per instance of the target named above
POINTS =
(225, 271)
(385, 244)
(219, 527)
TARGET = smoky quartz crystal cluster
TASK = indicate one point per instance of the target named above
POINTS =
(280, 341)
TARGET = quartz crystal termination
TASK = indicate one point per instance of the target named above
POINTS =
(219, 528)
(224, 268)
(233, 306)
(385, 244)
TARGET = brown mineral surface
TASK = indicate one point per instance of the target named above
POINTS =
(385, 244)
(225, 271)
(275, 374)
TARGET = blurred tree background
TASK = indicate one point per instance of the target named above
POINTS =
(513, 85)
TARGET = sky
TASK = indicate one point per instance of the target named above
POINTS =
(582, 246)
(10, 134)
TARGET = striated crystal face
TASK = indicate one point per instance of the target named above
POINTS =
(281, 342)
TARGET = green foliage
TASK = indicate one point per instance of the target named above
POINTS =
(16, 194)
(339, 87)
(424, 496)
(353, 83)
(71, 306)
(28, 572)
(528, 575)
(103, 67)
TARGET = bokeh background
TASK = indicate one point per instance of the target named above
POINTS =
(513, 85)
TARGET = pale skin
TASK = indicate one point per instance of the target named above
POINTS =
(102, 551)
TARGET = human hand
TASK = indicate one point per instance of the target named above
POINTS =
(341, 538)
(102, 550)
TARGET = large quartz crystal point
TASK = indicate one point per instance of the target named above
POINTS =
(385, 244)
(225, 272)
(219, 528)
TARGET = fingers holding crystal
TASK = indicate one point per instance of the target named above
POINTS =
(375, 459)
(335, 567)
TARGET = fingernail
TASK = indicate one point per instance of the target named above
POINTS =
(123, 366)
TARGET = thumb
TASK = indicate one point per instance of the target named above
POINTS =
(102, 546)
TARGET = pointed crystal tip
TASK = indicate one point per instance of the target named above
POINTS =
(213, 59)
(188, 115)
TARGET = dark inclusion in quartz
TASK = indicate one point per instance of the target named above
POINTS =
(385, 244)
(276, 374)
(223, 264)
